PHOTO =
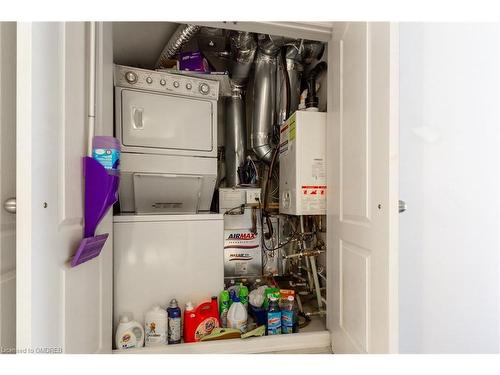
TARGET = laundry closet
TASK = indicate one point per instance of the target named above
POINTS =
(251, 153)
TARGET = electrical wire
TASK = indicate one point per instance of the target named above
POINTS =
(241, 207)
(290, 239)
(275, 192)
(279, 246)
(255, 168)
(269, 175)
(248, 173)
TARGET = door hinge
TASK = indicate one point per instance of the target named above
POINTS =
(402, 206)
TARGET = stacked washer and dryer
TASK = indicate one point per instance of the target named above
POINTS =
(164, 242)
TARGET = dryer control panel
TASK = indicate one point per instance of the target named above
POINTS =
(125, 76)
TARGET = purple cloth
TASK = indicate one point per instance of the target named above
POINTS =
(194, 62)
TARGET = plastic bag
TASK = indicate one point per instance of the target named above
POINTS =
(256, 297)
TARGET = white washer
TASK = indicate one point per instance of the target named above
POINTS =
(160, 257)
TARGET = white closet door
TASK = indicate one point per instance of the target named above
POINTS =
(58, 307)
(362, 151)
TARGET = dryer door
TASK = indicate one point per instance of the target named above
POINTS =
(167, 124)
(166, 193)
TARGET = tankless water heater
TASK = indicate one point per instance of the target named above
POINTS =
(303, 164)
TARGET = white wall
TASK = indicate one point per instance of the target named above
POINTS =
(449, 166)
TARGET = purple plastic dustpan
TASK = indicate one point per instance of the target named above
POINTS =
(89, 248)
(101, 192)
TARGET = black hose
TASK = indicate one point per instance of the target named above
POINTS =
(290, 239)
(266, 192)
(306, 318)
(287, 83)
(312, 99)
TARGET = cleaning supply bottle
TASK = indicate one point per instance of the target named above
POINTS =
(270, 292)
(201, 321)
(106, 150)
(156, 322)
(273, 317)
(244, 295)
(287, 315)
(232, 295)
(289, 309)
(189, 316)
(129, 334)
(233, 288)
(174, 322)
(223, 307)
(237, 316)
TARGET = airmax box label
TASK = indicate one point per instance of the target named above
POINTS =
(242, 253)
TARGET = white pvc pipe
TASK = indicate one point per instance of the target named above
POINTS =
(299, 303)
(316, 281)
(312, 268)
(306, 259)
(92, 84)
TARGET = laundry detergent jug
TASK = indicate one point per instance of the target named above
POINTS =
(156, 321)
(201, 321)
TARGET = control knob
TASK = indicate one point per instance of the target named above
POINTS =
(176, 84)
(204, 88)
(131, 77)
(149, 80)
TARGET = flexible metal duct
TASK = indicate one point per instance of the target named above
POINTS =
(265, 95)
(243, 47)
(181, 36)
(270, 44)
(294, 67)
(291, 70)
(298, 55)
(312, 51)
(235, 137)
(264, 105)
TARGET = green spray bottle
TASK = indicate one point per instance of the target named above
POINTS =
(223, 307)
(244, 295)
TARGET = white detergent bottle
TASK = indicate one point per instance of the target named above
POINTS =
(237, 316)
(156, 325)
(129, 334)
